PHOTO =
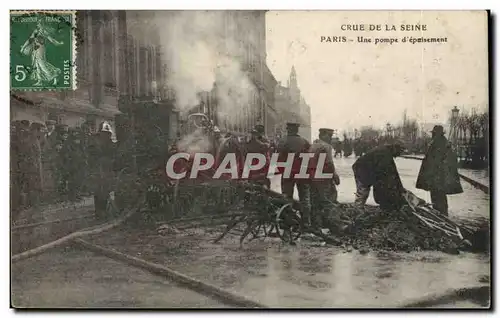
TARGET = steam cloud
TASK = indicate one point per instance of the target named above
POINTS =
(196, 142)
(201, 49)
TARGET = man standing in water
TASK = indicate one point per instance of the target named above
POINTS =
(439, 171)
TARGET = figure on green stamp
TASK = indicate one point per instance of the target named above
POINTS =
(43, 50)
(42, 70)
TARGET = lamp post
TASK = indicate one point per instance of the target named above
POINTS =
(454, 129)
(454, 112)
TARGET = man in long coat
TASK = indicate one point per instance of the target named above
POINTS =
(102, 153)
(439, 171)
(377, 169)
(295, 144)
(323, 191)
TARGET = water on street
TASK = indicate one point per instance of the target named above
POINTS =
(78, 279)
(264, 270)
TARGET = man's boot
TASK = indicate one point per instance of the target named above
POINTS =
(306, 220)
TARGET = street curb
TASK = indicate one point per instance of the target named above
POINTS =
(65, 239)
(189, 282)
(469, 293)
(477, 184)
(30, 225)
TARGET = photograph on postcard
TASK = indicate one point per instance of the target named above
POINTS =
(249, 159)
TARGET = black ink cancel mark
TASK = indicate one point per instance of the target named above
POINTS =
(61, 25)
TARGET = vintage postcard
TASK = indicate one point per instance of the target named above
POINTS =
(250, 159)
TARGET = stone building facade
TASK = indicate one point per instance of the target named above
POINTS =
(292, 107)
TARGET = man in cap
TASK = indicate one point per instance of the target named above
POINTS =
(295, 144)
(439, 171)
(101, 166)
(323, 191)
(377, 169)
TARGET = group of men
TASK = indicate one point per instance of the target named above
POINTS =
(317, 197)
(46, 162)
(52, 162)
(375, 169)
(50, 159)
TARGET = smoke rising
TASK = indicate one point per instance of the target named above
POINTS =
(196, 142)
(202, 48)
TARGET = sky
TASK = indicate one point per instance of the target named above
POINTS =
(351, 84)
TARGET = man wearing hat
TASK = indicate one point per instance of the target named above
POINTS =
(101, 165)
(439, 171)
(377, 169)
(323, 191)
(294, 143)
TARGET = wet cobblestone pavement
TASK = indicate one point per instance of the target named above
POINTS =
(77, 279)
(264, 270)
(304, 275)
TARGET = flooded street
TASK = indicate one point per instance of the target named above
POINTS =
(67, 278)
(305, 275)
(264, 270)
(472, 203)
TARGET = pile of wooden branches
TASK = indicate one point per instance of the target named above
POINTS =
(375, 229)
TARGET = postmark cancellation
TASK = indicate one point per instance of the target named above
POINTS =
(42, 50)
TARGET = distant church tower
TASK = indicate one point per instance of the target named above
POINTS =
(293, 86)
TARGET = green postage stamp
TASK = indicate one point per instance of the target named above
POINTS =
(42, 50)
